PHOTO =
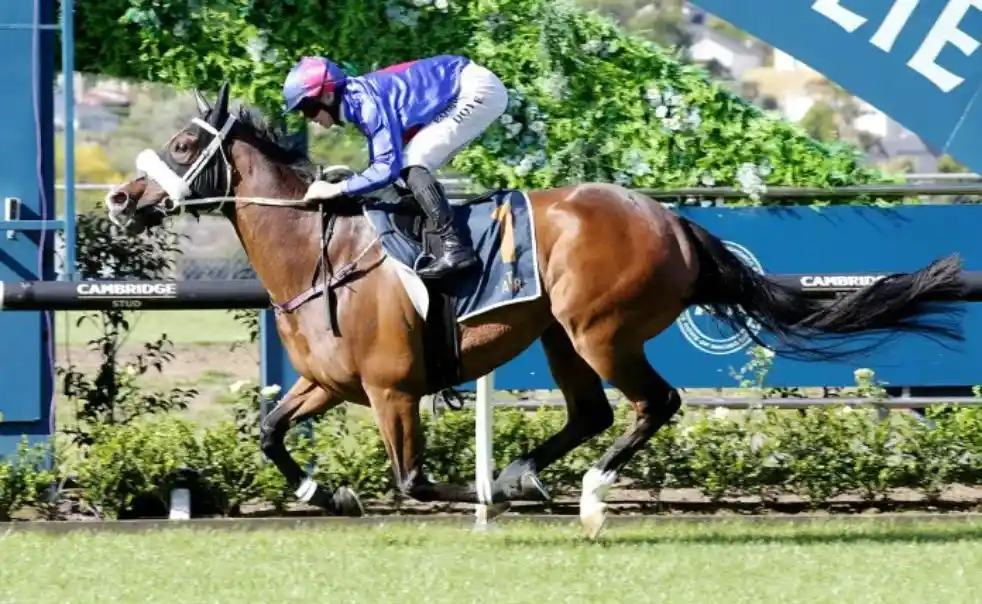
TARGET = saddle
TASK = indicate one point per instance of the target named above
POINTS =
(441, 338)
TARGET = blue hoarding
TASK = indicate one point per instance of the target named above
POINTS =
(695, 353)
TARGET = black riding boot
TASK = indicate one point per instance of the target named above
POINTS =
(457, 254)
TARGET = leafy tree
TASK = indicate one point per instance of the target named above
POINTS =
(588, 101)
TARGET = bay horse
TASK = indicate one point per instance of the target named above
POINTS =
(616, 269)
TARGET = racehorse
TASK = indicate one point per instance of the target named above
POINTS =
(616, 268)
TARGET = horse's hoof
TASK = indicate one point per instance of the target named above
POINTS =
(519, 482)
(346, 503)
(490, 513)
(593, 520)
(533, 489)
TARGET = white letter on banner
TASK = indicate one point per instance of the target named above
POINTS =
(894, 23)
(944, 32)
(849, 20)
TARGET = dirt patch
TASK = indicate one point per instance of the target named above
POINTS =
(190, 363)
(209, 369)
(955, 499)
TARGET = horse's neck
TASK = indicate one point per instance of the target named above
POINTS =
(284, 244)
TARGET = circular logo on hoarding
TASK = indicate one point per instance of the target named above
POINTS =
(705, 332)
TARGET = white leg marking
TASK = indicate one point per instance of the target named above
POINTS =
(306, 490)
(593, 510)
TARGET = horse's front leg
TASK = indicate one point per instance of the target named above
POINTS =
(303, 400)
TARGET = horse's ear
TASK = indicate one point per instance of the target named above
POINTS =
(221, 105)
(203, 106)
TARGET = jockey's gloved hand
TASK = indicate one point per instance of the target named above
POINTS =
(321, 189)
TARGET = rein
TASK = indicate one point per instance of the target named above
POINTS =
(180, 187)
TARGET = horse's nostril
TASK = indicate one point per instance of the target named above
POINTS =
(119, 198)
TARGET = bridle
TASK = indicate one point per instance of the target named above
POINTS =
(181, 188)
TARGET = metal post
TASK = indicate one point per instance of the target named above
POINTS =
(484, 447)
(68, 73)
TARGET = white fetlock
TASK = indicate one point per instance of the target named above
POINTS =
(305, 492)
(593, 510)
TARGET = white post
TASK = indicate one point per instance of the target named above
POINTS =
(484, 445)
(180, 504)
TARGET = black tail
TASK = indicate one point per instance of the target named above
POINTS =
(924, 302)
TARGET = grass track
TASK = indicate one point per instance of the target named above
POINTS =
(516, 563)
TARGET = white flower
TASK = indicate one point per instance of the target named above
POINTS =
(772, 461)
(622, 178)
(441, 4)
(506, 119)
(694, 119)
(653, 96)
(537, 126)
(270, 391)
(513, 129)
(402, 16)
(237, 387)
(522, 170)
(591, 46)
(749, 181)
(130, 369)
(673, 123)
(528, 161)
(555, 85)
(708, 180)
(494, 21)
(720, 413)
(661, 112)
(864, 374)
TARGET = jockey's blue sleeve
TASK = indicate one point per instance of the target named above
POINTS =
(384, 147)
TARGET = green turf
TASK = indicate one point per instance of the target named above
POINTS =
(181, 326)
(645, 564)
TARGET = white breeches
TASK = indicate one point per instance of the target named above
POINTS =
(482, 100)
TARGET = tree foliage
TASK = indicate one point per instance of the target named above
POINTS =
(588, 101)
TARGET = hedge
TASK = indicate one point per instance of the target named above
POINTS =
(819, 454)
(589, 102)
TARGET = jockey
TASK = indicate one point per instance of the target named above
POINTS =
(416, 117)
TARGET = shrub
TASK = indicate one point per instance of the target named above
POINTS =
(26, 479)
(819, 455)
(139, 460)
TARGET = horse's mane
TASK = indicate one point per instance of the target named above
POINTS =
(274, 144)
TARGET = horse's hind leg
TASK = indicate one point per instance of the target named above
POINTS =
(397, 417)
(588, 413)
(303, 400)
(655, 402)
